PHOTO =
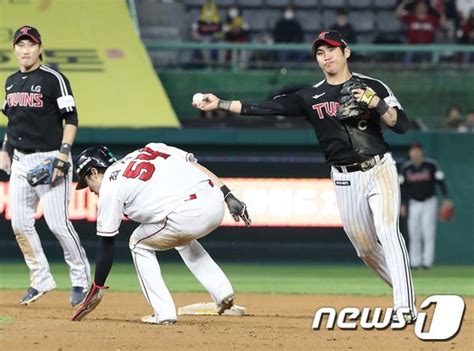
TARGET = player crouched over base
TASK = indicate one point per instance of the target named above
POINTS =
(177, 201)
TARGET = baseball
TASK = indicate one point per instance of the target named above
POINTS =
(197, 98)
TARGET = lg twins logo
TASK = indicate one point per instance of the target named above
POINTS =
(445, 322)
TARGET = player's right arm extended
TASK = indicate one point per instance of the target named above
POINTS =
(283, 105)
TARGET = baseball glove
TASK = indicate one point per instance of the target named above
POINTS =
(43, 173)
(349, 106)
(93, 298)
(238, 209)
(446, 212)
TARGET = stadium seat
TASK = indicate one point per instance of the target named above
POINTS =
(310, 20)
(360, 4)
(385, 4)
(224, 3)
(256, 20)
(328, 19)
(387, 22)
(366, 38)
(277, 3)
(305, 3)
(332, 4)
(250, 3)
(362, 21)
(194, 2)
(272, 16)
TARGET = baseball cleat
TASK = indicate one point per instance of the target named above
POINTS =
(78, 294)
(152, 319)
(31, 296)
(409, 318)
(225, 304)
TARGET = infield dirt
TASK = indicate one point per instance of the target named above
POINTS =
(273, 322)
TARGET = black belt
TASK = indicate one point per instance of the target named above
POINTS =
(30, 151)
(362, 166)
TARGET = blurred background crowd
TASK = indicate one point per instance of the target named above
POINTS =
(289, 26)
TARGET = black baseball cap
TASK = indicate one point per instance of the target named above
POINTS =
(331, 38)
(27, 32)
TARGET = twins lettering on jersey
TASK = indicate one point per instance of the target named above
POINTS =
(424, 176)
(25, 99)
(328, 107)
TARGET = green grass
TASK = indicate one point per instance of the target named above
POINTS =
(270, 278)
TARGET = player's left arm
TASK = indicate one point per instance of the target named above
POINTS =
(237, 208)
(382, 100)
(441, 181)
(67, 108)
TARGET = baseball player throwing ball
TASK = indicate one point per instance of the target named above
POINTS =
(347, 110)
(176, 200)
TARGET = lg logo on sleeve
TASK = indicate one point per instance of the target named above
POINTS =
(445, 322)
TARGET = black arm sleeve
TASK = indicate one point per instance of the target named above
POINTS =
(262, 108)
(402, 124)
(104, 259)
(71, 118)
(403, 189)
(281, 105)
(443, 187)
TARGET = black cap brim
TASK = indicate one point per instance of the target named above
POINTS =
(26, 36)
(81, 184)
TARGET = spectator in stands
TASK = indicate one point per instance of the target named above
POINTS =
(470, 121)
(464, 7)
(236, 30)
(451, 15)
(343, 26)
(288, 30)
(421, 26)
(453, 119)
(465, 36)
(208, 29)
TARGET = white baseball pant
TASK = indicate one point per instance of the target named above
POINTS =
(193, 219)
(369, 204)
(55, 200)
(422, 231)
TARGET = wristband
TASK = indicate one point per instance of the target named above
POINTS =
(65, 148)
(225, 190)
(381, 107)
(4, 146)
(224, 105)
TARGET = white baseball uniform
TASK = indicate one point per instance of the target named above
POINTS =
(55, 200)
(369, 204)
(159, 187)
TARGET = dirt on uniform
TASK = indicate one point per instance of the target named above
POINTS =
(273, 322)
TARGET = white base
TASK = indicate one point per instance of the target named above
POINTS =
(209, 309)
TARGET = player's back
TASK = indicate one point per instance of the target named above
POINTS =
(151, 182)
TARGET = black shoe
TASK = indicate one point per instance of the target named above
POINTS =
(225, 304)
(31, 296)
(426, 267)
(78, 294)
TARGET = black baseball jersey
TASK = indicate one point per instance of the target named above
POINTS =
(343, 141)
(36, 103)
(419, 182)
